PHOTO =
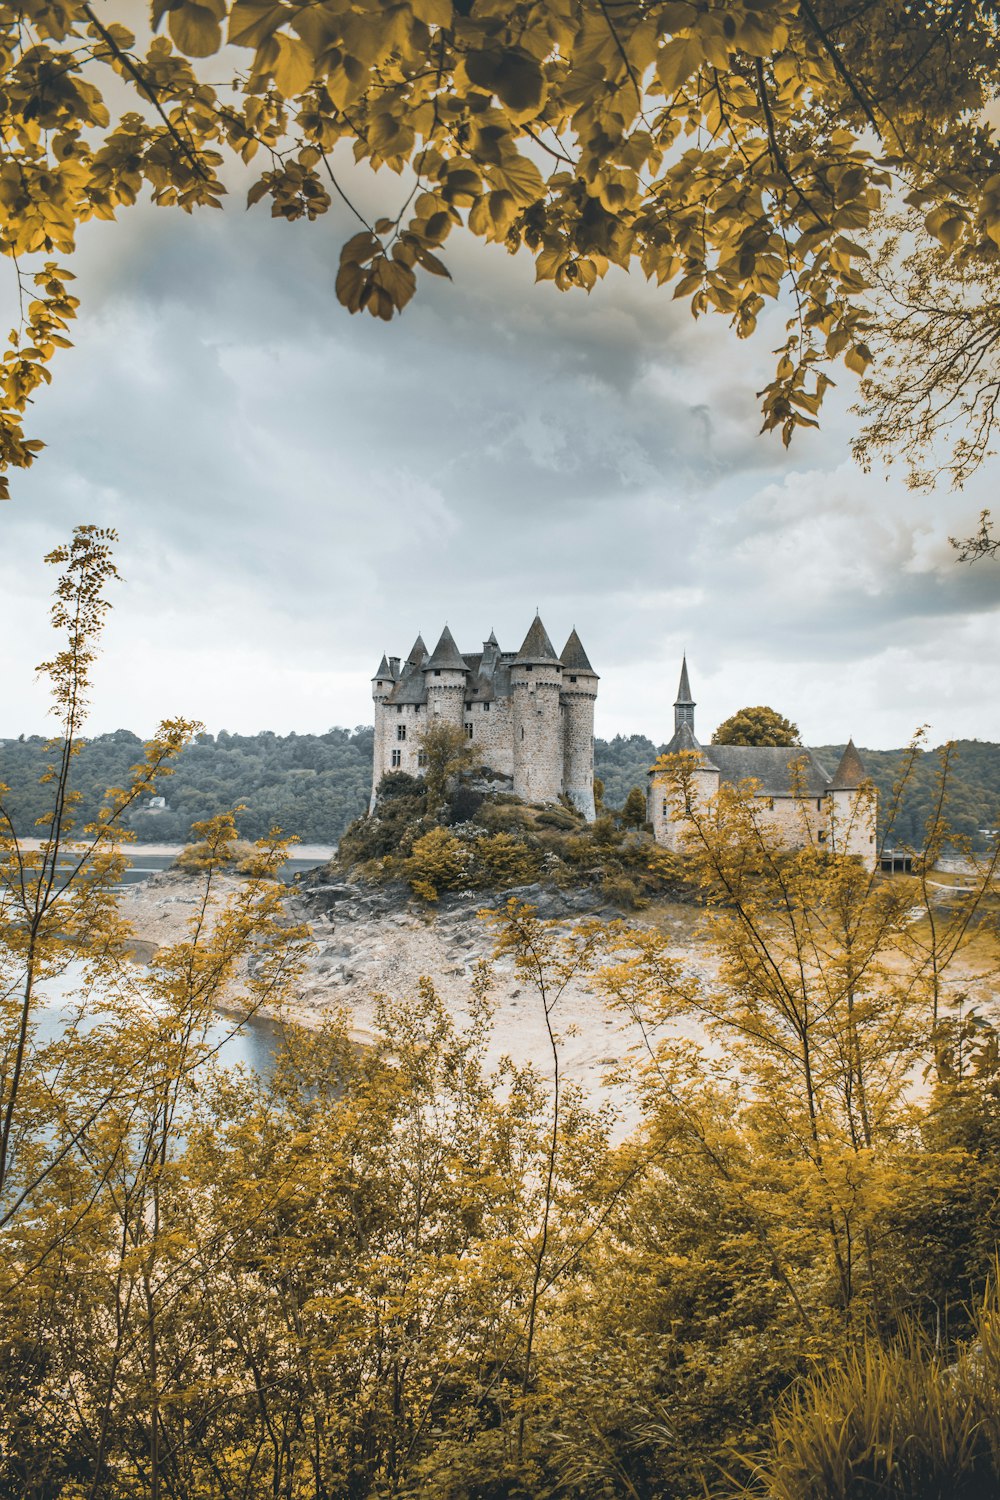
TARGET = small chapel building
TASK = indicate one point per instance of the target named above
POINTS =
(801, 801)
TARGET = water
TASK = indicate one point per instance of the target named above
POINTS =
(255, 1042)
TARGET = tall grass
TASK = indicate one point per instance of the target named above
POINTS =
(896, 1423)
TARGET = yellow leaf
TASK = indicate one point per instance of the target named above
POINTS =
(676, 62)
(195, 29)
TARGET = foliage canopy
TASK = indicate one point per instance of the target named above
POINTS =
(759, 725)
(733, 151)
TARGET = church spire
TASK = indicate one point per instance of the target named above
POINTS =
(684, 703)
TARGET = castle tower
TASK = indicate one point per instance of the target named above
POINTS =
(536, 682)
(382, 685)
(664, 810)
(579, 691)
(684, 704)
(852, 809)
(444, 678)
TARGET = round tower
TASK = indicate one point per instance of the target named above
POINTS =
(579, 693)
(445, 675)
(536, 684)
(382, 685)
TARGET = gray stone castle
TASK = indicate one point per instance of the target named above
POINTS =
(529, 714)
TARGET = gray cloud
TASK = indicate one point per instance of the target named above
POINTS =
(298, 490)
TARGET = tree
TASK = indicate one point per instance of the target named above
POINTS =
(446, 754)
(634, 810)
(756, 726)
(737, 154)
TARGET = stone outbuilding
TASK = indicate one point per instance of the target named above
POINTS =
(529, 714)
(800, 799)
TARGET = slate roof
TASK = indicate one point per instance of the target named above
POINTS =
(417, 652)
(411, 688)
(851, 772)
(684, 739)
(446, 656)
(536, 646)
(573, 657)
(383, 670)
(773, 766)
(684, 699)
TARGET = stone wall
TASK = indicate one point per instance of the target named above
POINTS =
(538, 738)
(578, 745)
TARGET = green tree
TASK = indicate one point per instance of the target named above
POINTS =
(634, 811)
(756, 726)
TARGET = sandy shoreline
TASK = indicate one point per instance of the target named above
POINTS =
(319, 853)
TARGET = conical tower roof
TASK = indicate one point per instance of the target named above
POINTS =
(536, 646)
(684, 739)
(850, 773)
(383, 669)
(684, 698)
(573, 657)
(446, 656)
(418, 652)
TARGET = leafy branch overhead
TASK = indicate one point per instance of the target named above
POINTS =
(735, 151)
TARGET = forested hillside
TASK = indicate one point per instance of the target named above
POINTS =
(314, 785)
(311, 785)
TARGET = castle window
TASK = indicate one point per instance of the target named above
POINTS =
(397, 757)
(770, 804)
(468, 706)
(819, 804)
(572, 679)
(486, 708)
(399, 708)
(522, 731)
(421, 758)
(437, 671)
(529, 669)
(822, 835)
(665, 807)
(468, 730)
(401, 731)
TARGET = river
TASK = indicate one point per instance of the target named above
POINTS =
(254, 1043)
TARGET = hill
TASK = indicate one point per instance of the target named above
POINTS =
(315, 785)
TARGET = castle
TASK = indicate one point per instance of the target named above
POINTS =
(528, 713)
(799, 798)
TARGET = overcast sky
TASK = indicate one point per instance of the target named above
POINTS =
(297, 491)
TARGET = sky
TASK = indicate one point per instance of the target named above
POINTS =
(297, 490)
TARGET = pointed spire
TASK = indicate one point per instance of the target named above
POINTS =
(573, 657)
(684, 704)
(418, 651)
(850, 773)
(491, 639)
(684, 687)
(536, 646)
(383, 671)
(446, 655)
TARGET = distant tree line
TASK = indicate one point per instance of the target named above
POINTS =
(314, 785)
(310, 785)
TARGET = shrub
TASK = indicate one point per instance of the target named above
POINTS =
(557, 817)
(503, 860)
(439, 862)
